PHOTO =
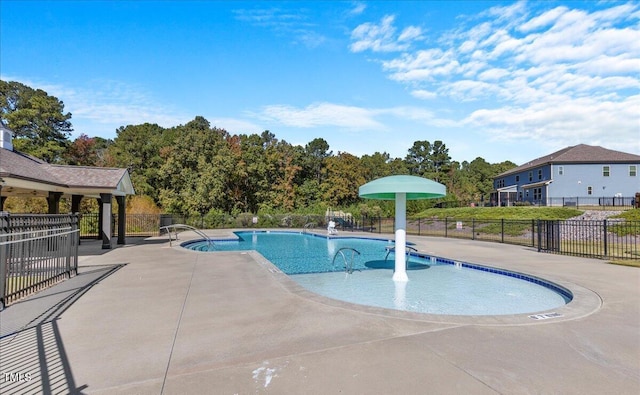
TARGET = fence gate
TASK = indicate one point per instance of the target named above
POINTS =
(548, 235)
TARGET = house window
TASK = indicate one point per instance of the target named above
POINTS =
(539, 174)
(589, 190)
(606, 171)
(560, 170)
(633, 170)
(537, 194)
(526, 193)
(530, 176)
(517, 178)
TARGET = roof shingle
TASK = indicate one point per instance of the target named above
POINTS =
(581, 153)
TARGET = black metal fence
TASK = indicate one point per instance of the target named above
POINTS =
(149, 224)
(611, 239)
(36, 251)
(136, 225)
(602, 202)
(592, 202)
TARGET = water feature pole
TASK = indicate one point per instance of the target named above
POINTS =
(401, 188)
(400, 272)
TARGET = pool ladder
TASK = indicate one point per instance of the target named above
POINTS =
(348, 264)
(307, 226)
(175, 228)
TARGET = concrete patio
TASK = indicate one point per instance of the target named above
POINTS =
(148, 318)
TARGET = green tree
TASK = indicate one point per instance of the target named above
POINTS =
(285, 189)
(138, 148)
(194, 179)
(429, 160)
(480, 175)
(439, 162)
(249, 182)
(417, 158)
(38, 120)
(317, 151)
(310, 177)
(344, 175)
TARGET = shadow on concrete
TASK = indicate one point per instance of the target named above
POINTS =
(32, 354)
(89, 247)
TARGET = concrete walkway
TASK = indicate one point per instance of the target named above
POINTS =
(147, 318)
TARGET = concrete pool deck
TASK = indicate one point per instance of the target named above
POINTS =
(147, 318)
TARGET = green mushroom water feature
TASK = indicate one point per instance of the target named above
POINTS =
(401, 188)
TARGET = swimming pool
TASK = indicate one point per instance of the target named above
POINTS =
(437, 285)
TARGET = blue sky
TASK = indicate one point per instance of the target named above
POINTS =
(498, 80)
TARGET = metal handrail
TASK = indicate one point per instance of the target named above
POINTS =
(34, 233)
(391, 249)
(307, 226)
(347, 266)
(187, 227)
(47, 234)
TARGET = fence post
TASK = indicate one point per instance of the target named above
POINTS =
(473, 228)
(4, 229)
(68, 247)
(606, 252)
(446, 227)
(539, 236)
(533, 233)
(419, 220)
(502, 230)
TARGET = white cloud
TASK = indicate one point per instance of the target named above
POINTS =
(411, 33)
(563, 123)
(105, 105)
(509, 13)
(424, 65)
(493, 74)
(382, 37)
(358, 8)
(322, 114)
(423, 94)
(543, 20)
(470, 90)
(349, 118)
(235, 126)
(565, 75)
(297, 25)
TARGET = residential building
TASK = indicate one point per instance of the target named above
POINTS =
(580, 174)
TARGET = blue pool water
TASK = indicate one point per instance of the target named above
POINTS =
(436, 285)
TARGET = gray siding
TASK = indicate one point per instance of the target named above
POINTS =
(578, 177)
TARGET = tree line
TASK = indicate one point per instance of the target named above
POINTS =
(198, 169)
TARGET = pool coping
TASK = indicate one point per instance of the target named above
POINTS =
(585, 302)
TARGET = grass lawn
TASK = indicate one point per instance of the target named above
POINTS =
(486, 213)
(632, 263)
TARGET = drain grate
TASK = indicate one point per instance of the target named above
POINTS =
(545, 316)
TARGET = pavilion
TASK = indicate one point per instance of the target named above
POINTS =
(23, 175)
